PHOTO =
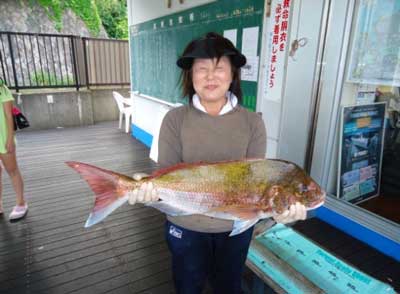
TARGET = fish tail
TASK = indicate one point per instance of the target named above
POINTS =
(110, 191)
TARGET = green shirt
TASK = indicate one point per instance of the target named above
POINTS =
(5, 95)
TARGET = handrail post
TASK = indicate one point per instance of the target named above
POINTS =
(13, 62)
(74, 61)
(86, 62)
(2, 68)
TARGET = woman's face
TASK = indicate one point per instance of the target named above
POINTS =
(211, 80)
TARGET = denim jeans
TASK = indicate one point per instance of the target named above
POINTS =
(197, 256)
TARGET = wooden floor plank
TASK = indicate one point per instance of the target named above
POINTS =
(50, 251)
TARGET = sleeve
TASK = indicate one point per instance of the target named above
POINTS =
(258, 140)
(169, 142)
(5, 94)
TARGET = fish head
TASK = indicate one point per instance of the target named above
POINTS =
(308, 193)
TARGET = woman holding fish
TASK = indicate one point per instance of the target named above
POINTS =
(212, 127)
(8, 153)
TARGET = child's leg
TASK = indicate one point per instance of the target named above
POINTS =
(10, 165)
(1, 193)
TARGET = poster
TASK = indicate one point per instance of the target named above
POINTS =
(249, 72)
(360, 152)
(376, 44)
(278, 38)
(231, 35)
(250, 41)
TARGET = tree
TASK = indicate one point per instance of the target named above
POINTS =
(113, 15)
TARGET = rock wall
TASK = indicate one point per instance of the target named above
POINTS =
(21, 16)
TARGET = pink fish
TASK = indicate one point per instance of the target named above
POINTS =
(244, 191)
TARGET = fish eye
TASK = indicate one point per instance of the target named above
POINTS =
(303, 188)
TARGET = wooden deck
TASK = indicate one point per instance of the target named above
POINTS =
(50, 251)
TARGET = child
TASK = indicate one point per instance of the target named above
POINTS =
(8, 154)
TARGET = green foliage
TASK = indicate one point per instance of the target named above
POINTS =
(113, 14)
(54, 10)
(48, 79)
(85, 9)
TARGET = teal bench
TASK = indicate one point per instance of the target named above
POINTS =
(287, 262)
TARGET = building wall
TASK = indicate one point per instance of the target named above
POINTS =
(141, 11)
(287, 116)
(149, 113)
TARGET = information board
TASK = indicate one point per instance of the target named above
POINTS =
(360, 151)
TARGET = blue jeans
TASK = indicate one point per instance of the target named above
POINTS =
(197, 256)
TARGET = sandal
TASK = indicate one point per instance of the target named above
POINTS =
(18, 212)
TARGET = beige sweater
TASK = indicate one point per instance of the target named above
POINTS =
(190, 135)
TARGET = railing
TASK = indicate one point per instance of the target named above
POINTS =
(58, 61)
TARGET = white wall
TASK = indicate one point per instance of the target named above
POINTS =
(144, 10)
(324, 166)
(298, 99)
(287, 109)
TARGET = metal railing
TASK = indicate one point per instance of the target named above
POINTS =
(31, 61)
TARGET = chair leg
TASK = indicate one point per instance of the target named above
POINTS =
(127, 121)
(120, 120)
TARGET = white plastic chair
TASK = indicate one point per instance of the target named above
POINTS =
(125, 109)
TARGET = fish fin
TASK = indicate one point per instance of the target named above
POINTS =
(240, 211)
(100, 214)
(239, 226)
(109, 194)
(178, 166)
(168, 209)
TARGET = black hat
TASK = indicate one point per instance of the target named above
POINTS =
(211, 46)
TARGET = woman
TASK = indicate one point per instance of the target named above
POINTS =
(8, 154)
(212, 127)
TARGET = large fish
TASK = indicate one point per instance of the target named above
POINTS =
(244, 191)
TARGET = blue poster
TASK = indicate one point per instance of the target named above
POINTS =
(360, 155)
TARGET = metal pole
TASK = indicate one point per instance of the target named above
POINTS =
(74, 63)
(2, 67)
(12, 62)
(85, 60)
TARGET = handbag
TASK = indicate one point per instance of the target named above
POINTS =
(20, 121)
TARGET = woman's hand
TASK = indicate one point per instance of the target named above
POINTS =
(295, 212)
(10, 145)
(146, 193)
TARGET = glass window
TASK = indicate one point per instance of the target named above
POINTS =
(369, 152)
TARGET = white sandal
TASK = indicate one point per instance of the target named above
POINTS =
(18, 212)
